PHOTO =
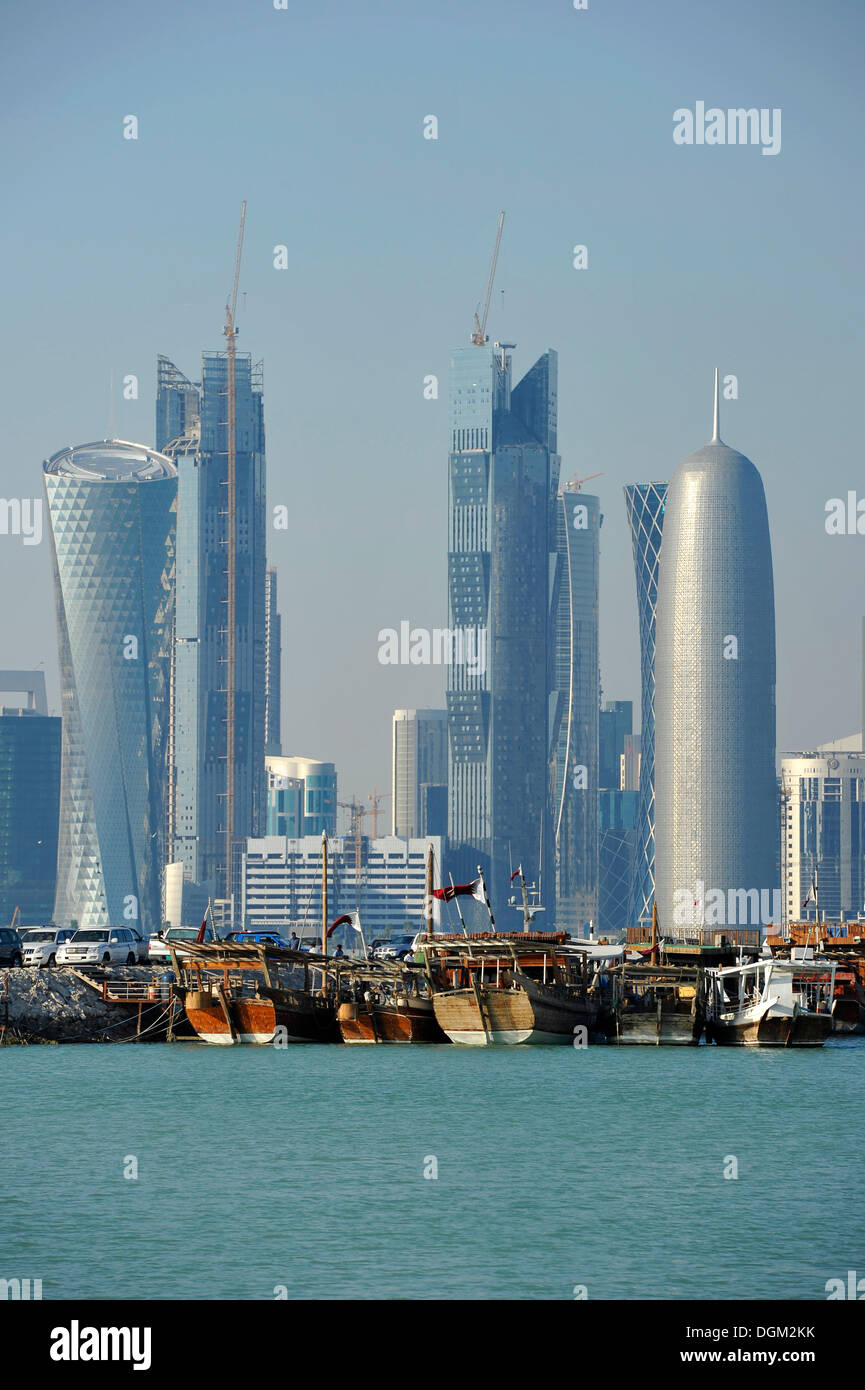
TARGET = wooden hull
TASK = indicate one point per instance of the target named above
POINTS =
(385, 1023)
(848, 1016)
(532, 1014)
(659, 1027)
(781, 1030)
(274, 1016)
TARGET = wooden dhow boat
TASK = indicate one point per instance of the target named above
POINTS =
(510, 988)
(657, 1004)
(378, 1003)
(507, 988)
(772, 1002)
(236, 993)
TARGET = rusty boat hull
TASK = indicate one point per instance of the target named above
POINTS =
(270, 1016)
(414, 1022)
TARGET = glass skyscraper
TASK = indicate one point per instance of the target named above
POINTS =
(198, 412)
(574, 728)
(112, 508)
(272, 667)
(503, 495)
(823, 834)
(645, 503)
(716, 808)
(29, 801)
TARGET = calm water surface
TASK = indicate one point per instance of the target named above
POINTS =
(302, 1169)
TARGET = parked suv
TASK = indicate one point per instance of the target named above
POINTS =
(257, 938)
(397, 948)
(10, 947)
(100, 945)
(158, 952)
(41, 943)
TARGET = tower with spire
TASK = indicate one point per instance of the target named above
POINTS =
(715, 800)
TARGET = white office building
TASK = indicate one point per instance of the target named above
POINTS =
(384, 878)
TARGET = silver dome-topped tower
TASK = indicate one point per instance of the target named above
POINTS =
(716, 822)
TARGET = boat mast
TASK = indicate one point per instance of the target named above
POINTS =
(428, 895)
(324, 893)
(527, 916)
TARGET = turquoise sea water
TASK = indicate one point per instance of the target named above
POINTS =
(302, 1169)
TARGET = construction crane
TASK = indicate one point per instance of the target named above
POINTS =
(357, 811)
(230, 331)
(479, 335)
(375, 798)
(576, 482)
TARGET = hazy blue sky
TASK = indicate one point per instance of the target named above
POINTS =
(115, 250)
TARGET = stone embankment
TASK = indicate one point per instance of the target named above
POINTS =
(61, 1005)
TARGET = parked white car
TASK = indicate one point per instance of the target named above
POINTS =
(101, 946)
(39, 945)
(157, 950)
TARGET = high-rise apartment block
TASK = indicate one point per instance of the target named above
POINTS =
(823, 835)
(420, 772)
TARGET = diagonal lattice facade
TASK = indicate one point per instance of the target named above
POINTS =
(645, 503)
(111, 507)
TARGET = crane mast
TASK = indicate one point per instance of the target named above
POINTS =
(230, 332)
(479, 335)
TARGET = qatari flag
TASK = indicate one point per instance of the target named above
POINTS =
(475, 889)
(345, 919)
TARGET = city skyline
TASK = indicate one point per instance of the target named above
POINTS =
(660, 303)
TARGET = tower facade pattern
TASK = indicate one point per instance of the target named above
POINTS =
(716, 814)
(112, 508)
(645, 504)
(199, 739)
(503, 484)
(574, 685)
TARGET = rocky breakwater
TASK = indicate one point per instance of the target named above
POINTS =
(60, 1005)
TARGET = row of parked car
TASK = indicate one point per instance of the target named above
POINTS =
(51, 946)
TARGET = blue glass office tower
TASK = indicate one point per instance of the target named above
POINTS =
(112, 508)
(574, 729)
(29, 801)
(644, 503)
(198, 772)
(503, 484)
(716, 812)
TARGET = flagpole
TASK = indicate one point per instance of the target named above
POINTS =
(486, 897)
(456, 900)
